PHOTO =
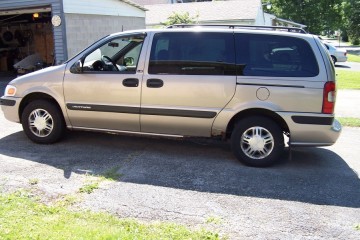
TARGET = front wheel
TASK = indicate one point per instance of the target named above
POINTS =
(42, 122)
(257, 141)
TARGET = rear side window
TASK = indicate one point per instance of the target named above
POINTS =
(192, 53)
(274, 56)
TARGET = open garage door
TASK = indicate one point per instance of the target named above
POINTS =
(26, 40)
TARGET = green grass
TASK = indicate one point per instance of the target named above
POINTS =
(21, 217)
(349, 121)
(33, 181)
(89, 187)
(353, 58)
(214, 220)
(357, 227)
(94, 181)
(348, 79)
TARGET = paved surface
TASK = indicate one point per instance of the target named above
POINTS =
(352, 66)
(314, 196)
(348, 103)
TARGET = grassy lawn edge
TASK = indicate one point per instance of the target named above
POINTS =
(22, 217)
(349, 121)
(347, 79)
(353, 58)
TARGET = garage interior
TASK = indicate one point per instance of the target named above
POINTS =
(26, 40)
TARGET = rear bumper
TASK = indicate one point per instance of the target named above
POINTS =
(341, 58)
(10, 106)
(308, 129)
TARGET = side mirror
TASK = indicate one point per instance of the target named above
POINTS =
(77, 67)
(129, 61)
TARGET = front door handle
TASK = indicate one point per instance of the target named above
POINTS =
(131, 82)
(154, 83)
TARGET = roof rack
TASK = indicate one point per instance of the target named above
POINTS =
(254, 27)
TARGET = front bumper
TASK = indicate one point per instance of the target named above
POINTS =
(312, 129)
(10, 107)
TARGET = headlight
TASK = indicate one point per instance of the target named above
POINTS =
(10, 91)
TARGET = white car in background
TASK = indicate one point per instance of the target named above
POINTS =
(337, 55)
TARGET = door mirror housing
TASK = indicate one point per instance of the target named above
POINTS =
(129, 61)
(77, 67)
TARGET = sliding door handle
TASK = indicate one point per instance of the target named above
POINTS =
(154, 83)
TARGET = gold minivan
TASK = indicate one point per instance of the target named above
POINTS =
(255, 87)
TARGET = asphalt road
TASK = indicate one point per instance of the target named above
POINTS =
(316, 195)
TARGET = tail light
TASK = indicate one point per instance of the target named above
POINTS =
(329, 98)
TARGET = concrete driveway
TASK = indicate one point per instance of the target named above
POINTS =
(347, 103)
(352, 66)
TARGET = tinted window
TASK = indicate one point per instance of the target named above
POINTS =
(193, 53)
(277, 56)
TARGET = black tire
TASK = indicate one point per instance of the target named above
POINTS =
(47, 122)
(257, 141)
(333, 59)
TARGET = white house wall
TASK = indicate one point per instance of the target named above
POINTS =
(260, 18)
(102, 7)
(84, 29)
(269, 19)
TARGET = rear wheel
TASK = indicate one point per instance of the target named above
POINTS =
(42, 122)
(257, 141)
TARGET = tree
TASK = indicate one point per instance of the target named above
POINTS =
(352, 20)
(180, 18)
(317, 15)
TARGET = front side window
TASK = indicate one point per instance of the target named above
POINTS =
(192, 53)
(274, 56)
(118, 55)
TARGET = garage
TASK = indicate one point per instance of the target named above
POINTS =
(37, 34)
(26, 34)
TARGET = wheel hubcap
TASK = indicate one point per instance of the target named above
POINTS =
(41, 123)
(257, 142)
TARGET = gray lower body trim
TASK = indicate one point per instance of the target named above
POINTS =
(313, 120)
(144, 111)
(301, 144)
(7, 102)
(124, 132)
(102, 108)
